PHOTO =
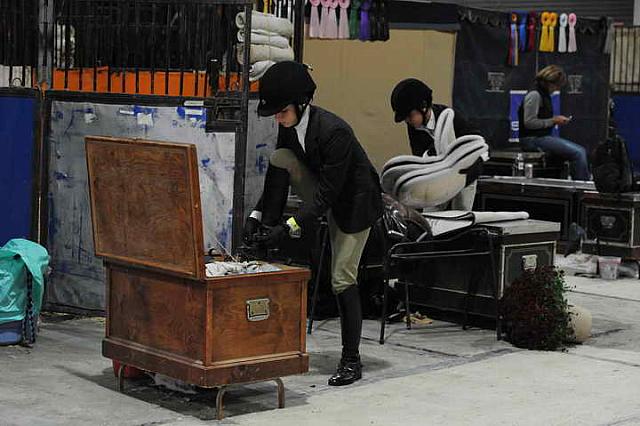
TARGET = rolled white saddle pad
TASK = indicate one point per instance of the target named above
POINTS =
(429, 181)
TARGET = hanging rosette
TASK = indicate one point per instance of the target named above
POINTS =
(532, 21)
(324, 17)
(354, 20)
(544, 35)
(365, 28)
(383, 21)
(314, 21)
(522, 31)
(373, 21)
(512, 57)
(331, 28)
(573, 46)
(343, 25)
(562, 35)
(553, 21)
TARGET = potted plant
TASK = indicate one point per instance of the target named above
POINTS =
(535, 312)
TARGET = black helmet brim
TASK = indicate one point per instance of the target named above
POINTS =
(269, 109)
(400, 116)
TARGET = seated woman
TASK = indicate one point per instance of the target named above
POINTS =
(537, 120)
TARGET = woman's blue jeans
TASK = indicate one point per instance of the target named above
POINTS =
(564, 149)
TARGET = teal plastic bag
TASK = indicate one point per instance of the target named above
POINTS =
(14, 256)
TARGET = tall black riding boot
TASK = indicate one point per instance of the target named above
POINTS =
(349, 369)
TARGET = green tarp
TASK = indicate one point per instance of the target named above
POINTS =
(14, 256)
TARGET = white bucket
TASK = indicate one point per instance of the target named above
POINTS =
(608, 267)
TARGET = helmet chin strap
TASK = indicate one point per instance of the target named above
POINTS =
(300, 108)
(424, 111)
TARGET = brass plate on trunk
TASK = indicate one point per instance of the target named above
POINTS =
(258, 309)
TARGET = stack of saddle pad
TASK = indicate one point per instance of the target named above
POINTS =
(429, 181)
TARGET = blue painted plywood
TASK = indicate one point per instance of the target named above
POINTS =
(17, 127)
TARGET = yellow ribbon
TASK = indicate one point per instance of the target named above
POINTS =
(553, 21)
(544, 36)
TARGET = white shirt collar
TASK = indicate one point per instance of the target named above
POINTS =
(301, 127)
(431, 124)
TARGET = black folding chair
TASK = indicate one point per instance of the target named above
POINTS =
(401, 256)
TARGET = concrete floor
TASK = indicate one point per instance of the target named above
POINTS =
(435, 374)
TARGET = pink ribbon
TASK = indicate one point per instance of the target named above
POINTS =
(314, 21)
(343, 26)
(332, 24)
(573, 46)
(324, 17)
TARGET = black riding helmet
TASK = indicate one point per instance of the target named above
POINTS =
(408, 95)
(283, 84)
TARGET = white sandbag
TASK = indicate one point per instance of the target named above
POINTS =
(266, 22)
(265, 53)
(266, 38)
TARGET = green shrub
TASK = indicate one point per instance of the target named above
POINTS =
(534, 310)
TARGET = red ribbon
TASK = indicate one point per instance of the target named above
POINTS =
(531, 30)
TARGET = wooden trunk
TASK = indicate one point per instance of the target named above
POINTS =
(163, 314)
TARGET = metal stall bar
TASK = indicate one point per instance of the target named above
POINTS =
(25, 43)
(136, 56)
(616, 59)
(182, 25)
(632, 58)
(298, 30)
(12, 42)
(95, 32)
(3, 33)
(167, 54)
(124, 22)
(241, 137)
(154, 11)
(67, 44)
(197, 63)
(110, 42)
(626, 60)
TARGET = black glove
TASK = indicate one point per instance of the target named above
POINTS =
(473, 172)
(273, 235)
(250, 229)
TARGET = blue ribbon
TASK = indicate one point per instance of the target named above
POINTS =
(522, 27)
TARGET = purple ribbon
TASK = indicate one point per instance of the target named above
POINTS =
(365, 30)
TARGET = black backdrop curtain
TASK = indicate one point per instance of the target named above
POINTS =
(483, 81)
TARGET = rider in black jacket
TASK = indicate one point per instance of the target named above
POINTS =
(318, 154)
